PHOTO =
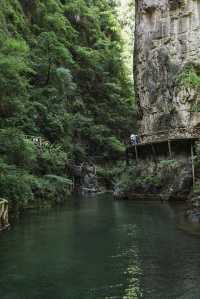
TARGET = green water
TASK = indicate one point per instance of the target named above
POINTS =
(99, 248)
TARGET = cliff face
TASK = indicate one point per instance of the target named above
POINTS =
(167, 44)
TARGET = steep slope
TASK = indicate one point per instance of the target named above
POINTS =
(62, 78)
(167, 81)
(62, 62)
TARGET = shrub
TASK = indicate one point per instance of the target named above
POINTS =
(16, 150)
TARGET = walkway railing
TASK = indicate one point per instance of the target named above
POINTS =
(40, 142)
(4, 222)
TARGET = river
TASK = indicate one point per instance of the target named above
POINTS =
(98, 248)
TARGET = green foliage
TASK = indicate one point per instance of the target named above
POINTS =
(23, 167)
(17, 188)
(63, 78)
(197, 157)
(150, 180)
(24, 190)
(15, 70)
(196, 188)
(108, 175)
(168, 163)
(129, 178)
(52, 162)
(115, 145)
(16, 150)
(195, 107)
(126, 11)
(56, 178)
(190, 76)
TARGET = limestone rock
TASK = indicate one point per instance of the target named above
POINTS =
(167, 41)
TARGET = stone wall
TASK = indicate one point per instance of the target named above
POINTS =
(163, 179)
(167, 40)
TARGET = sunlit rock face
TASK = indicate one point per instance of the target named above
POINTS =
(167, 42)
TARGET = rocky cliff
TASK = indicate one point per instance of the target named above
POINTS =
(167, 49)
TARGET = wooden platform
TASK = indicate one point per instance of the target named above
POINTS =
(185, 139)
(4, 223)
(167, 148)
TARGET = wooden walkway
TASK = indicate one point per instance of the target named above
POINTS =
(181, 133)
(40, 142)
(4, 222)
(168, 148)
(165, 145)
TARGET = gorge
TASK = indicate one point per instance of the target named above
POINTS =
(67, 110)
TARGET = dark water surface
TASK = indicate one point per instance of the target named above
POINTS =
(100, 248)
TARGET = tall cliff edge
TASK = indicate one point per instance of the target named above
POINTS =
(167, 50)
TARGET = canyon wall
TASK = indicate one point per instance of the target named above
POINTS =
(167, 46)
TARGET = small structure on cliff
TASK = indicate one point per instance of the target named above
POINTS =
(166, 145)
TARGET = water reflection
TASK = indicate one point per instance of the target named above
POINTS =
(133, 290)
(133, 272)
(100, 249)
